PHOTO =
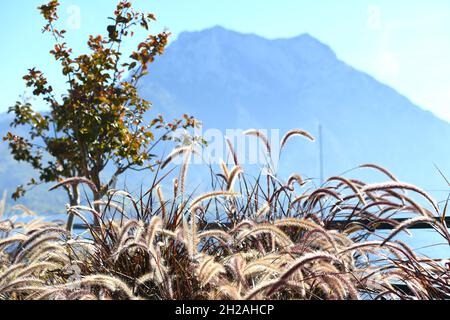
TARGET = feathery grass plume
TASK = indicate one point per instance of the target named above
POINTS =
(329, 239)
(264, 286)
(211, 273)
(161, 203)
(42, 266)
(121, 193)
(175, 153)
(335, 289)
(297, 222)
(310, 257)
(244, 224)
(35, 245)
(232, 176)
(31, 226)
(352, 292)
(184, 170)
(175, 189)
(25, 211)
(213, 194)
(219, 235)
(140, 232)
(295, 132)
(400, 185)
(112, 284)
(152, 229)
(75, 181)
(95, 214)
(125, 230)
(406, 224)
(41, 253)
(12, 240)
(266, 229)
(18, 283)
(209, 269)
(225, 170)
(259, 134)
(43, 231)
(379, 168)
(110, 205)
(258, 267)
(237, 265)
(325, 191)
(294, 178)
(389, 194)
(11, 270)
(232, 151)
(351, 185)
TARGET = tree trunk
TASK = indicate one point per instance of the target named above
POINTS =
(74, 199)
(97, 197)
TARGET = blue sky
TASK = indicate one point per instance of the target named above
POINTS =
(402, 43)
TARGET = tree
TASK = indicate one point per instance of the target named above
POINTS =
(99, 121)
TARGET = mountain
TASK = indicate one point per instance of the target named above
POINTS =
(231, 80)
(13, 173)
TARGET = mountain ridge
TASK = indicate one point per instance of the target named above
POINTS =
(218, 29)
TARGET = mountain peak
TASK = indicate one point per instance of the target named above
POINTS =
(304, 46)
(219, 30)
(216, 31)
(308, 47)
(309, 39)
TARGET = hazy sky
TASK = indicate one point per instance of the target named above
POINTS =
(404, 43)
